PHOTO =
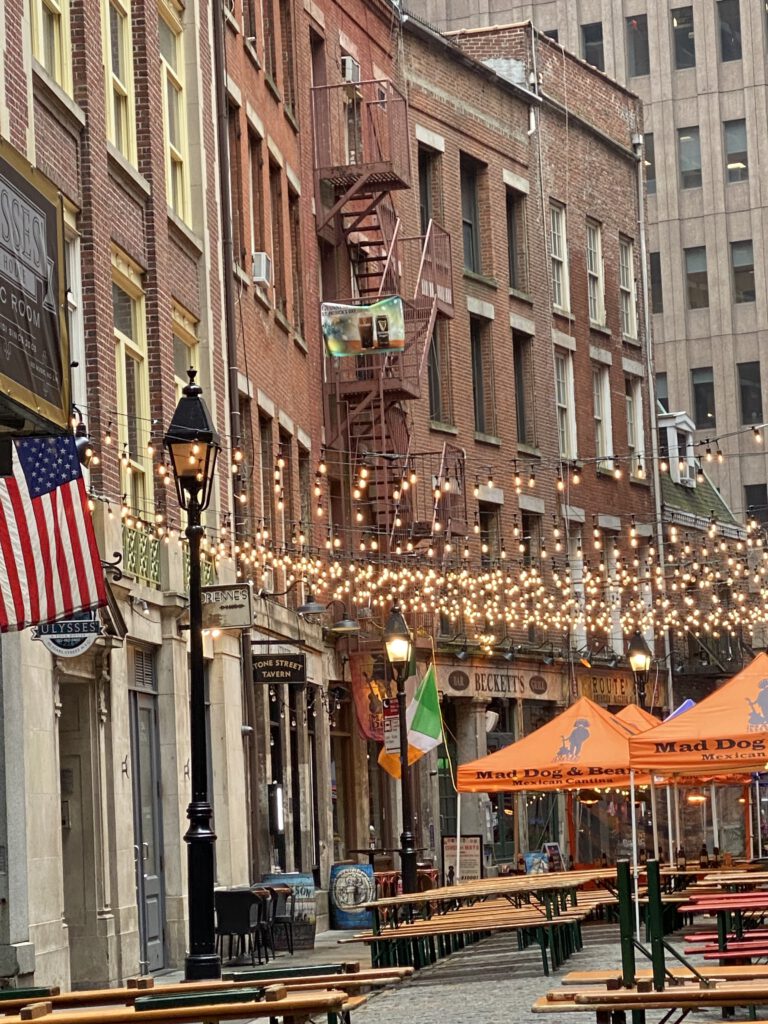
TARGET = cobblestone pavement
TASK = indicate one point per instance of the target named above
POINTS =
(494, 983)
(490, 983)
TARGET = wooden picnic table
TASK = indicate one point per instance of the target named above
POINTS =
(723, 972)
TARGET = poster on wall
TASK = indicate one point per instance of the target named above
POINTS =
(34, 346)
(470, 861)
(359, 330)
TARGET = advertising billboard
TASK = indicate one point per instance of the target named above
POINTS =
(359, 330)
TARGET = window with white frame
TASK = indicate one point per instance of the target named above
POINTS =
(75, 314)
(558, 249)
(174, 106)
(133, 414)
(565, 403)
(576, 562)
(185, 347)
(628, 304)
(601, 406)
(51, 39)
(595, 280)
(635, 430)
(118, 77)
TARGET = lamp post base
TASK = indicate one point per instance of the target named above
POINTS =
(202, 967)
(408, 869)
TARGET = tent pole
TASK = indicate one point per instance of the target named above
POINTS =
(634, 850)
(746, 794)
(458, 838)
(654, 819)
(758, 819)
(571, 825)
(669, 825)
(715, 824)
(677, 818)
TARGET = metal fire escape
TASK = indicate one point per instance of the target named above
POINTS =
(361, 158)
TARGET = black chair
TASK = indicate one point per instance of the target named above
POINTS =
(283, 913)
(237, 917)
(264, 935)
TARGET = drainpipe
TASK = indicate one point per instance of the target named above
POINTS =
(230, 327)
(637, 145)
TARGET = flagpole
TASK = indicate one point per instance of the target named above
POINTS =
(458, 836)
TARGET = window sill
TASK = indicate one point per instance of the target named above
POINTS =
(564, 314)
(487, 438)
(231, 20)
(183, 233)
(57, 99)
(241, 275)
(529, 449)
(442, 428)
(282, 321)
(600, 328)
(272, 86)
(290, 117)
(125, 174)
(490, 282)
(634, 342)
(640, 481)
(604, 472)
(300, 343)
(262, 296)
(250, 49)
(523, 296)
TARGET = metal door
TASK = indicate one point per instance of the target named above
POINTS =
(147, 830)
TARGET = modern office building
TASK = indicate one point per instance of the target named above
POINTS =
(700, 72)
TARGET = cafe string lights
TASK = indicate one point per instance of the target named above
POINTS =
(710, 581)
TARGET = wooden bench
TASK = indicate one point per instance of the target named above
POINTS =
(293, 1007)
(352, 983)
(725, 972)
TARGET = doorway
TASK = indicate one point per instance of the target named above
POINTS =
(147, 828)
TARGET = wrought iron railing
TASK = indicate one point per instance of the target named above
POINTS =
(141, 556)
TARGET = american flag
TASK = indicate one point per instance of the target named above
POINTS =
(49, 562)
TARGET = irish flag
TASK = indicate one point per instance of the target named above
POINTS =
(425, 726)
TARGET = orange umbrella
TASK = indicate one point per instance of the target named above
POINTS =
(726, 732)
(583, 747)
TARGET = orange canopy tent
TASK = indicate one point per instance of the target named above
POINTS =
(636, 719)
(583, 747)
(726, 732)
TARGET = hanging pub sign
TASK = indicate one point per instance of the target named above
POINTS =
(34, 345)
(227, 606)
(274, 669)
(360, 330)
(69, 638)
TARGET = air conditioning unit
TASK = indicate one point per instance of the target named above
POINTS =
(350, 69)
(262, 268)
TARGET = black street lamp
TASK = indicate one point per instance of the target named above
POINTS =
(193, 445)
(639, 654)
(399, 647)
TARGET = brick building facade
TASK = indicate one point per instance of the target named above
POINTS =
(364, 156)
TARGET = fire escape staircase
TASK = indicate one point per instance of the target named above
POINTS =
(366, 414)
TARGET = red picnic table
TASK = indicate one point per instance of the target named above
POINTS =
(733, 910)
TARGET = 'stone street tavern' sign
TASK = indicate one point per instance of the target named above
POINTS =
(275, 669)
(482, 680)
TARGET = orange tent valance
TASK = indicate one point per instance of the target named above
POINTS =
(583, 747)
(724, 733)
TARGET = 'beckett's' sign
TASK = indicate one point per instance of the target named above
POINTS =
(483, 681)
